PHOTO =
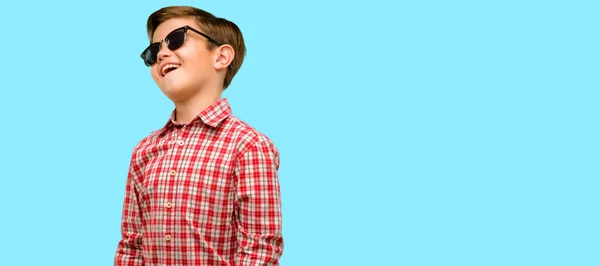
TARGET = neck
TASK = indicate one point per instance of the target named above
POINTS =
(185, 111)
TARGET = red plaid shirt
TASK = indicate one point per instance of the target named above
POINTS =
(202, 193)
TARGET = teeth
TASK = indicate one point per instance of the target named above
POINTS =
(168, 66)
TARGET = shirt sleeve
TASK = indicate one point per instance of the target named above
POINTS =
(129, 249)
(258, 206)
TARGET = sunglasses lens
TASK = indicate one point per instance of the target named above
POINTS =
(150, 54)
(175, 39)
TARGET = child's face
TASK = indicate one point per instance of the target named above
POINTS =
(192, 63)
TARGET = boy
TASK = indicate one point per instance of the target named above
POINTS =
(204, 189)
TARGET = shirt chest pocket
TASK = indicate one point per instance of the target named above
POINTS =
(209, 199)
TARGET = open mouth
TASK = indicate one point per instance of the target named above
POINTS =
(168, 68)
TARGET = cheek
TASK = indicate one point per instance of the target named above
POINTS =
(195, 57)
(154, 73)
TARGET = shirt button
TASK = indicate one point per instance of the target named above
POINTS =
(172, 172)
(168, 238)
(168, 205)
(180, 142)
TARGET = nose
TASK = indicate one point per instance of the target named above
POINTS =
(163, 52)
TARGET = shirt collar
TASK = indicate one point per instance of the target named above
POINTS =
(212, 115)
(216, 113)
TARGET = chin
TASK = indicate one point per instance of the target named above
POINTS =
(175, 96)
(177, 92)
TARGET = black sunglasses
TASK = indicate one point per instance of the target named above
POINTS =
(174, 40)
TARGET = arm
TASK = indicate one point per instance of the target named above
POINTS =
(129, 250)
(258, 210)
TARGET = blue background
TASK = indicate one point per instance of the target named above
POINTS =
(411, 132)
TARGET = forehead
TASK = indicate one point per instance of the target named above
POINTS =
(171, 24)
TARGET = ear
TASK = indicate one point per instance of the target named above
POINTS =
(224, 57)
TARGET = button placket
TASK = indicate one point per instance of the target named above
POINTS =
(167, 205)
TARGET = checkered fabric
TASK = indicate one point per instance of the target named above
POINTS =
(202, 193)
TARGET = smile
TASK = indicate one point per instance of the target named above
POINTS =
(168, 68)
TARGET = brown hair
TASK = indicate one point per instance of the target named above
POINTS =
(220, 29)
